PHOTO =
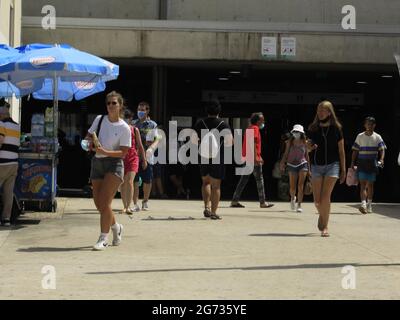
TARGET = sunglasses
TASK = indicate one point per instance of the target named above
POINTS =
(112, 102)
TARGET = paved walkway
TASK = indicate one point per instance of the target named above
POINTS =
(252, 253)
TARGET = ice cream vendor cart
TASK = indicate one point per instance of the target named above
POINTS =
(37, 180)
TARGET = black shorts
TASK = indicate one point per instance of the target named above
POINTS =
(216, 171)
(145, 175)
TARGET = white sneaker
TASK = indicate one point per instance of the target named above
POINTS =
(145, 206)
(363, 209)
(136, 208)
(369, 208)
(117, 235)
(293, 204)
(100, 245)
(299, 209)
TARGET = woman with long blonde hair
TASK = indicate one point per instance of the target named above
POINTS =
(328, 162)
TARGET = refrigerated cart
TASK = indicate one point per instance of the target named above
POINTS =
(37, 181)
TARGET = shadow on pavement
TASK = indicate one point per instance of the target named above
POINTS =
(269, 211)
(47, 249)
(259, 217)
(285, 235)
(258, 268)
(30, 222)
(387, 210)
(150, 218)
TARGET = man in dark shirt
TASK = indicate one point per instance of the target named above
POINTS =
(212, 173)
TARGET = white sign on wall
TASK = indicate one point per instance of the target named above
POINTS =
(288, 47)
(268, 47)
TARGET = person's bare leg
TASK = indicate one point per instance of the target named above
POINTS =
(146, 191)
(293, 184)
(123, 191)
(325, 205)
(300, 186)
(107, 193)
(136, 193)
(215, 194)
(127, 190)
(160, 187)
(96, 186)
(206, 191)
(317, 190)
(370, 191)
(363, 190)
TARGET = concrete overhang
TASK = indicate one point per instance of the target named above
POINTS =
(218, 41)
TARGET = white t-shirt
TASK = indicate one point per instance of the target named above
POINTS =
(112, 135)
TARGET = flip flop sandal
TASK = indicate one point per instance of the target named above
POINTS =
(215, 217)
(267, 205)
(207, 213)
(237, 205)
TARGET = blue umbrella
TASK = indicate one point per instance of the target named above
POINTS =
(68, 90)
(61, 70)
(43, 61)
(19, 89)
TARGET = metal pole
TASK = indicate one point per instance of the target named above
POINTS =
(55, 131)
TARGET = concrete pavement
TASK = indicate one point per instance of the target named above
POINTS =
(251, 253)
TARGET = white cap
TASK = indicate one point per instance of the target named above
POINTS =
(298, 128)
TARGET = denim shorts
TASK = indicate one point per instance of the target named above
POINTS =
(301, 168)
(145, 175)
(102, 166)
(330, 170)
(366, 176)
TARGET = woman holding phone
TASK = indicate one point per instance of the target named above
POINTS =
(107, 171)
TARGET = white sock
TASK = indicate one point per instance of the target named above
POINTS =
(363, 203)
(104, 236)
(369, 201)
(115, 227)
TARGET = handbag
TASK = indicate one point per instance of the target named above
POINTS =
(276, 172)
(351, 178)
(308, 187)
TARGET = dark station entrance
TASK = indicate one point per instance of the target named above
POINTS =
(287, 94)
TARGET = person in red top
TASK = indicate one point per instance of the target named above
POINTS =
(257, 122)
(131, 164)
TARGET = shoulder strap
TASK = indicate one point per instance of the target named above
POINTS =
(222, 121)
(204, 123)
(99, 125)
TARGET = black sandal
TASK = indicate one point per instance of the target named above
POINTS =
(215, 217)
(237, 205)
(207, 213)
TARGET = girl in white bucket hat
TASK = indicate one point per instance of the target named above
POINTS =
(298, 164)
